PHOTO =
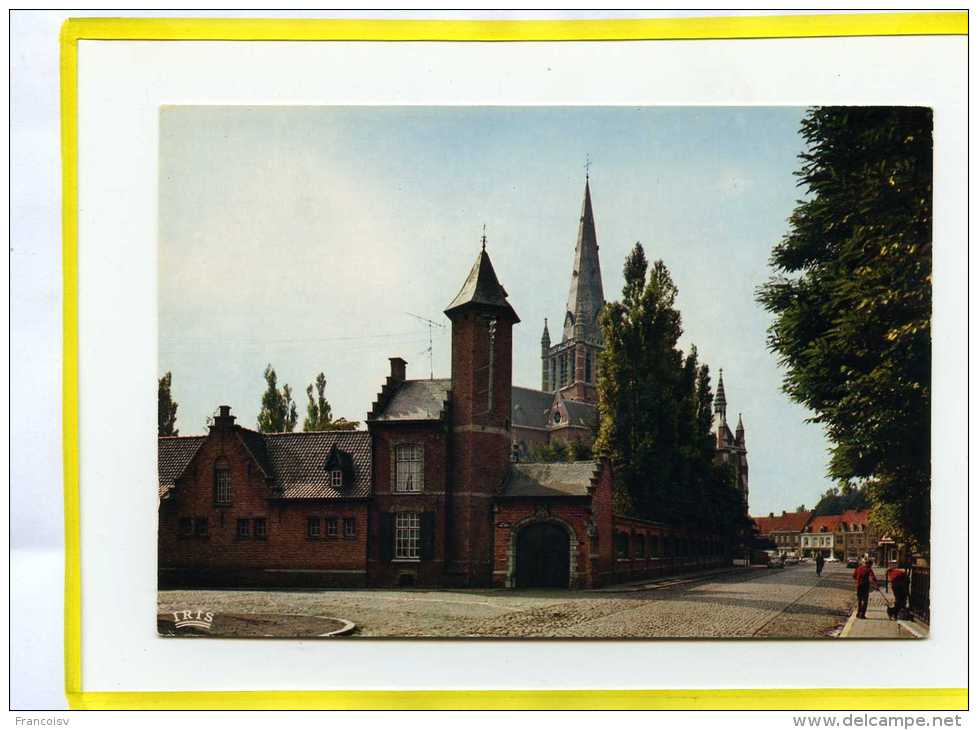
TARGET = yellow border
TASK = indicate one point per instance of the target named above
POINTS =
(254, 29)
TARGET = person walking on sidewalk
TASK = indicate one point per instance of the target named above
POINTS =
(819, 564)
(865, 579)
(897, 578)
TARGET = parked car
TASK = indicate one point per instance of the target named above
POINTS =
(852, 563)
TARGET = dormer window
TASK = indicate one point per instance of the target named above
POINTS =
(339, 468)
(222, 482)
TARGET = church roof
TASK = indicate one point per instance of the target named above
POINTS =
(586, 296)
(417, 400)
(482, 288)
(530, 407)
(581, 413)
(571, 479)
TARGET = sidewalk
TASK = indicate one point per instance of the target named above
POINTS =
(877, 625)
(647, 584)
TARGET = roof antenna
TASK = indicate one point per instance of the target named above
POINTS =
(430, 350)
(483, 236)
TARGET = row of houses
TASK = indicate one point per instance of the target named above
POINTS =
(802, 534)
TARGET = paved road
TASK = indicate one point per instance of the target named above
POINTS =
(756, 603)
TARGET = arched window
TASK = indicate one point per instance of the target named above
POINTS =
(563, 370)
(587, 367)
(222, 481)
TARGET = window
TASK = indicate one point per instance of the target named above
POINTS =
(332, 527)
(349, 527)
(244, 528)
(407, 535)
(621, 546)
(185, 527)
(222, 482)
(654, 546)
(553, 373)
(408, 468)
(639, 546)
(200, 526)
(336, 478)
(261, 531)
(587, 367)
(313, 528)
(563, 370)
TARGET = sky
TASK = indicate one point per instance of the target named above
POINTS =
(306, 237)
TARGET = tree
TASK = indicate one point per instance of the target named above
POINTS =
(319, 414)
(655, 410)
(851, 295)
(278, 413)
(166, 408)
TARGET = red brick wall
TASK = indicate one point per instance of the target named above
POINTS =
(282, 555)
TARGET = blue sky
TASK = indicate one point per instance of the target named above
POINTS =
(302, 236)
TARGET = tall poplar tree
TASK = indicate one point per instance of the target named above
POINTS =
(278, 412)
(166, 408)
(319, 414)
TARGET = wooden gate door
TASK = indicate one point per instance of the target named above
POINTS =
(542, 556)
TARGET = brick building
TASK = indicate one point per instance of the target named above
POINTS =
(434, 492)
(845, 536)
(784, 530)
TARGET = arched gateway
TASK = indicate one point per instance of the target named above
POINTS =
(542, 556)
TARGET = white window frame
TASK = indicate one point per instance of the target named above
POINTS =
(222, 485)
(332, 527)
(407, 536)
(336, 478)
(408, 468)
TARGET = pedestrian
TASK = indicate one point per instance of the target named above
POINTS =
(819, 564)
(865, 579)
(897, 578)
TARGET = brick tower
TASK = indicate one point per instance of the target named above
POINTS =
(482, 372)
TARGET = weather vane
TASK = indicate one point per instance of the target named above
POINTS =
(483, 236)
(587, 167)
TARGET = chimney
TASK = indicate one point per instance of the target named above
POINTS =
(223, 420)
(398, 369)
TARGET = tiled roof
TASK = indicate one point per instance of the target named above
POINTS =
(174, 454)
(530, 407)
(790, 522)
(829, 522)
(294, 463)
(550, 480)
(855, 517)
(580, 413)
(417, 400)
(298, 462)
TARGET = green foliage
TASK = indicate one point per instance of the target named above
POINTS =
(278, 413)
(319, 414)
(851, 295)
(655, 407)
(835, 501)
(556, 450)
(166, 408)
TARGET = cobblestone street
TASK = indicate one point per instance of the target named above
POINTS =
(757, 603)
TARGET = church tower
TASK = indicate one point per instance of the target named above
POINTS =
(571, 366)
(482, 372)
(731, 448)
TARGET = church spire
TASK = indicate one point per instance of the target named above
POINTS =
(586, 296)
(740, 429)
(720, 401)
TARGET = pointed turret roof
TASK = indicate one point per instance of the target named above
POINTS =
(586, 296)
(482, 288)
(545, 338)
(720, 401)
(740, 423)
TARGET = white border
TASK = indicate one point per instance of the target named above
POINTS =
(122, 84)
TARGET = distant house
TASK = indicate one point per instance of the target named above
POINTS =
(844, 536)
(784, 530)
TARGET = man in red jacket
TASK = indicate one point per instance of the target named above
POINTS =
(865, 579)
